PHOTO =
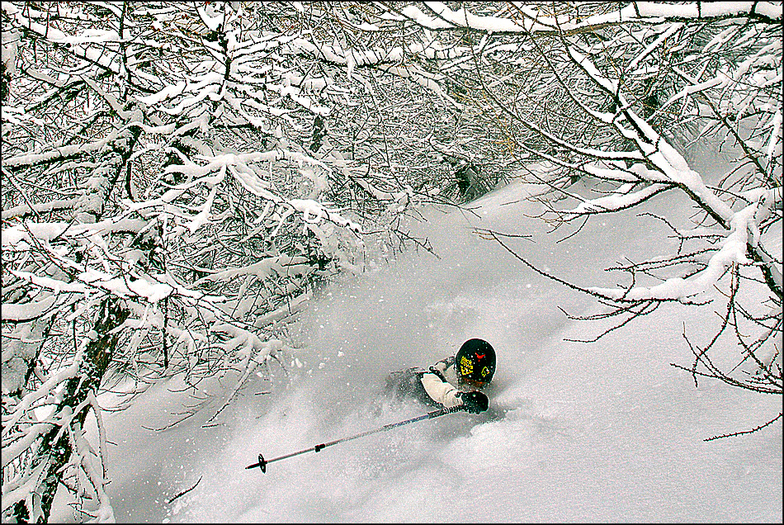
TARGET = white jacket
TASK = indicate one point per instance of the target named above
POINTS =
(441, 382)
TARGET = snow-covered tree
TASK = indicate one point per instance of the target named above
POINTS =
(619, 100)
(177, 180)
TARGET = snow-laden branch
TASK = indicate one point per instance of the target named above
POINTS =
(60, 153)
(44, 207)
(666, 160)
(393, 60)
(19, 237)
(608, 88)
(11, 420)
(75, 43)
(660, 154)
(703, 10)
(732, 251)
(252, 353)
(17, 312)
(532, 21)
(620, 200)
(143, 286)
(263, 269)
(94, 464)
(240, 167)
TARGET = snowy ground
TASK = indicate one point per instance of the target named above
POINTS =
(601, 432)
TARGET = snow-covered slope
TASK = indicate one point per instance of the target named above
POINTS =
(607, 431)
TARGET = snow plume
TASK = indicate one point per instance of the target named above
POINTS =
(411, 313)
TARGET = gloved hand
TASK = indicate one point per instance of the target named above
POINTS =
(474, 402)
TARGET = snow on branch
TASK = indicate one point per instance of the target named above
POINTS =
(620, 200)
(24, 209)
(24, 235)
(74, 42)
(656, 149)
(736, 247)
(391, 60)
(534, 21)
(263, 269)
(733, 250)
(704, 10)
(239, 165)
(253, 353)
(17, 312)
(60, 153)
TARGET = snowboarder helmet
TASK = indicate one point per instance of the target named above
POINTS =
(475, 362)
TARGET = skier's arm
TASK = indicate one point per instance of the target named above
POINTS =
(441, 391)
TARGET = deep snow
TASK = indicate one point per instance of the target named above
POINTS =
(607, 431)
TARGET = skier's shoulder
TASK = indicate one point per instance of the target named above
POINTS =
(440, 367)
(444, 363)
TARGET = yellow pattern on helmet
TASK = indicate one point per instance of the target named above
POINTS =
(466, 366)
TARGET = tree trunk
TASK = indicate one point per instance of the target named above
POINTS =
(54, 449)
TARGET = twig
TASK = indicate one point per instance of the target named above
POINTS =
(745, 431)
(184, 492)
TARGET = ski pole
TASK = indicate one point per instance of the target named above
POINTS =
(262, 463)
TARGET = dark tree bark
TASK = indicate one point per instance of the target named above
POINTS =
(56, 447)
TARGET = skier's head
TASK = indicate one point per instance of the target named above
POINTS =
(475, 363)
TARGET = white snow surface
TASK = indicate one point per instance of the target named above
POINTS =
(607, 431)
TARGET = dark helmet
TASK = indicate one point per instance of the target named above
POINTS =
(475, 362)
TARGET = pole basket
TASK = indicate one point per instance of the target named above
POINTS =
(262, 464)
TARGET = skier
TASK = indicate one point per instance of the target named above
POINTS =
(452, 381)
